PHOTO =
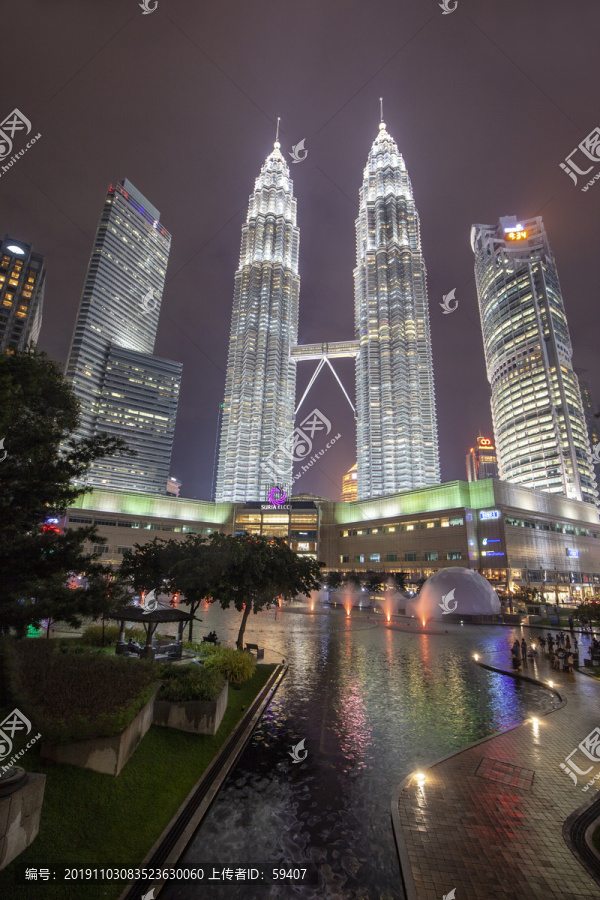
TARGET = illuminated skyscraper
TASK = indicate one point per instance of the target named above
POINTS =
(481, 461)
(349, 491)
(123, 388)
(541, 436)
(22, 279)
(258, 410)
(397, 441)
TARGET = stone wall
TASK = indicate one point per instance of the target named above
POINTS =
(198, 716)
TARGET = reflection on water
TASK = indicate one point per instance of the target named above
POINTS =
(373, 705)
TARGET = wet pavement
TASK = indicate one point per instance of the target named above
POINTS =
(372, 704)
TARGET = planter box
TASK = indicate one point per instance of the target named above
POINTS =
(197, 716)
(104, 754)
(21, 798)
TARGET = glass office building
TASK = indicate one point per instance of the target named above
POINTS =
(22, 280)
(258, 409)
(123, 389)
(539, 425)
(397, 441)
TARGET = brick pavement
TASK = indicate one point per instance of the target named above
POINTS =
(488, 820)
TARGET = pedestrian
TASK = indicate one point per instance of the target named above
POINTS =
(516, 655)
(550, 642)
(567, 643)
(524, 650)
(569, 663)
(571, 624)
(576, 645)
(543, 644)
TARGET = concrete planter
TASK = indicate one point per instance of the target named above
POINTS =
(197, 716)
(21, 798)
(105, 754)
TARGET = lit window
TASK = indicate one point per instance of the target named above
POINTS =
(6, 302)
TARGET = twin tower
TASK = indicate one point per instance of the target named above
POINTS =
(397, 441)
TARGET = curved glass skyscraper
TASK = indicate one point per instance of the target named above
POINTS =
(397, 442)
(539, 424)
(258, 411)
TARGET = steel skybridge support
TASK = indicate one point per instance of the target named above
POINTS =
(322, 352)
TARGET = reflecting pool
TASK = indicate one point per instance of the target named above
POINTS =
(372, 704)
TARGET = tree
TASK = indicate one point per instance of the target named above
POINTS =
(108, 590)
(252, 572)
(333, 580)
(193, 572)
(587, 611)
(400, 579)
(353, 578)
(150, 566)
(38, 416)
(374, 582)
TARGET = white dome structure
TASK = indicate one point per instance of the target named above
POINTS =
(455, 590)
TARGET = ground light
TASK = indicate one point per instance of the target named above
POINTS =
(420, 778)
(476, 657)
(551, 683)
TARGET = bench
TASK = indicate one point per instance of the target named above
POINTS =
(260, 653)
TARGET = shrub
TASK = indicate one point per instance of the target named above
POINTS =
(183, 683)
(93, 635)
(71, 696)
(234, 665)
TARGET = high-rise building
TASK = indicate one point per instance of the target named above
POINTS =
(539, 425)
(258, 409)
(481, 460)
(173, 486)
(397, 441)
(22, 279)
(123, 388)
(349, 487)
(592, 419)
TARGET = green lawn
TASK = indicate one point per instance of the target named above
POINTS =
(91, 820)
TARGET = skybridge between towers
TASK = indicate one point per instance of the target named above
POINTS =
(323, 353)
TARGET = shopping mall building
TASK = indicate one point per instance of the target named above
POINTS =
(512, 535)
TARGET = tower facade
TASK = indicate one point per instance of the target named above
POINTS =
(481, 460)
(22, 280)
(255, 452)
(539, 424)
(397, 441)
(122, 387)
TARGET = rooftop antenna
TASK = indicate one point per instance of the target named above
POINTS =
(277, 132)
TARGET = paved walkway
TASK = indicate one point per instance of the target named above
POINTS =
(488, 820)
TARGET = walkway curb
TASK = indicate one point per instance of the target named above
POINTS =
(176, 836)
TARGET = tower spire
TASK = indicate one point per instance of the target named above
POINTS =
(381, 109)
(276, 145)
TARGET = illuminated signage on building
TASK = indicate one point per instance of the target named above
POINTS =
(489, 514)
(573, 553)
(484, 442)
(515, 234)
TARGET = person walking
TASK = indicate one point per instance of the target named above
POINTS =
(550, 642)
(567, 643)
(524, 650)
(543, 644)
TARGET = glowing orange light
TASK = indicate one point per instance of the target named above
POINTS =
(516, 235)
(389, 618)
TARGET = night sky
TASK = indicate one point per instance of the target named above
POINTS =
(484, 104)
